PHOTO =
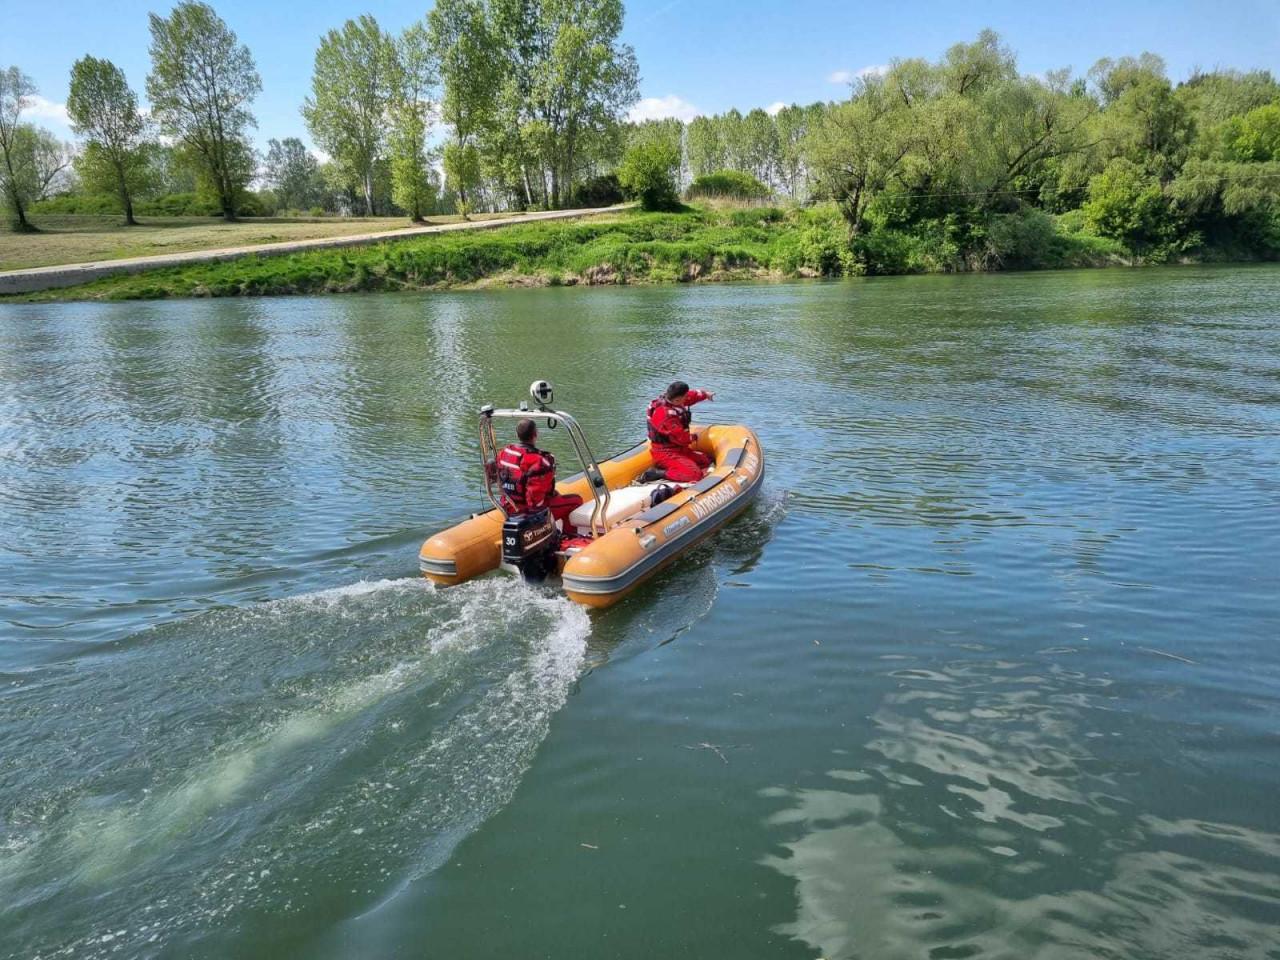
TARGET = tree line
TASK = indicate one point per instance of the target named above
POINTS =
(516, 104)
(531, 93)
(954, 150)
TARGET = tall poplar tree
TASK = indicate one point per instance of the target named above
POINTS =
(201, 83)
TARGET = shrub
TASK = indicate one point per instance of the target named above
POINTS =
(1127, 204)
(72, 204)
(1025, 240)
(648, 173)
(603, 191)
(732, 184)
(818, 244)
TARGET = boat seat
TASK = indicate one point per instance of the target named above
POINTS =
(623, 503)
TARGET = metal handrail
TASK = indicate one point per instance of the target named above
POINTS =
(590, 469)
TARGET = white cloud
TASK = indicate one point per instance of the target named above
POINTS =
(660, 108)
(848, 76)
(38, 108)
(775, 108)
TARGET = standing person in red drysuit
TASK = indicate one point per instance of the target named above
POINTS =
(670, 441)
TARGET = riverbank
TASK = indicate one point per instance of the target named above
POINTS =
(627, 247)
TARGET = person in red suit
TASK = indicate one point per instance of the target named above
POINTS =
(670, 441)
(527, 477)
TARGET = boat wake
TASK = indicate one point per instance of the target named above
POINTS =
(314, 752)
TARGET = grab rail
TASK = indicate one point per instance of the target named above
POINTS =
(590, 469)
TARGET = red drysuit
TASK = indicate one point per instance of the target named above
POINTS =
(527, 476)
(670, 440)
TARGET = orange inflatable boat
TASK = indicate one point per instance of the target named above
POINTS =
(629, 527)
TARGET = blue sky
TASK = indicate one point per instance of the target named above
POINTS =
(695, 55)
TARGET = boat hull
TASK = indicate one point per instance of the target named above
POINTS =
(617, 563)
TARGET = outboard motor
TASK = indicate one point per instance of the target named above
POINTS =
(529, 542)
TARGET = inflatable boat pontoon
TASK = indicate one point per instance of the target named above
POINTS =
(620, 536)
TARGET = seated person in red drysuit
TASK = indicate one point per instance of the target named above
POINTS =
(670, 441)
(527, 477)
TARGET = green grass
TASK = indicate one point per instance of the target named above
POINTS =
(633, 247)
(75, 238)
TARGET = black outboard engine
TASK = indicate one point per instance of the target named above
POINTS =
(529, 542)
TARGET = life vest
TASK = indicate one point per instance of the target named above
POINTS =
(517, 464)
(659, 409)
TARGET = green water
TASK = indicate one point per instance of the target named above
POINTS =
(990, 669)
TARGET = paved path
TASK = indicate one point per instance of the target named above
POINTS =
(74, 274)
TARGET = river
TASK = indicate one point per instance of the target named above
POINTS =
(990, 669)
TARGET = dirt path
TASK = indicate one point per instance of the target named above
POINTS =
(74, 274)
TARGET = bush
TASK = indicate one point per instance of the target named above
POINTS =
(1026, 240)
(648, 173)
(603, 191)
(816, 245)
(732, 184)
(177, 205)
(84, 205)
(1127, 204)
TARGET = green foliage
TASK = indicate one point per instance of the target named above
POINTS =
(201, 82)
(601, 191)
(817, 245)
(1127, 204)
(353, 85)
(733, 184)
(1253, 137)
(413, 186)
(470, 71)
(293, 173)
(648, 173)
(104, 110)
(18, 177)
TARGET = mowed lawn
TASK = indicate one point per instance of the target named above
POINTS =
(76, 239)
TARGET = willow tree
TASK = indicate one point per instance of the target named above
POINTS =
(201, 83)
(352, 90)
(104, 111)
(859, 145)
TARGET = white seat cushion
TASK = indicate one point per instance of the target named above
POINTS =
(623, 503)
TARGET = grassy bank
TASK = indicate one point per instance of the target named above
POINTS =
(66, 238)
(633, 247)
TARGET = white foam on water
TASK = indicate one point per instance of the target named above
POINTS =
(409, 815)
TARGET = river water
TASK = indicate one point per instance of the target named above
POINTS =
(991, 668)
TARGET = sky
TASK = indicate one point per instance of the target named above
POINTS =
(695, 56)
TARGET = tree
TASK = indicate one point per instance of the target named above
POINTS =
(201, 82)
(669, 131)
(1126, 203)
(16, 178)
(470, 73)
(1253, 137)
(412, 184)
(293, 173)
(648, 172)
(568, 80)
(859, 145)
(49, 158)
(704, 147)
(352, 87)
(105, 111)
(1143, 121)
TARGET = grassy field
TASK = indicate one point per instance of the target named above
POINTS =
(80, 239)
(615, 248)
